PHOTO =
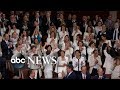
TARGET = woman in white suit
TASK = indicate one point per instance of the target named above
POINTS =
(90, 49)
(94, 62)
(52, 40)
(68, 50)
(61, 66)
(76, 31)
(108, 64)
(48, 67)
(62, 33)
(81, 47)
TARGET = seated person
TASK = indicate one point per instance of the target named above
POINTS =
(31, 74)
(84, 74)
(100, 74)
(70, 73)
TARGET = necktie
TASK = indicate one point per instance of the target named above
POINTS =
(78, 64)
(115, 35)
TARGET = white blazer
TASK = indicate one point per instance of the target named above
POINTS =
(116, 73)
(108, 64)
(61, 62)
(90, 51)
(75, 63)
(91, 61)
(62, 35)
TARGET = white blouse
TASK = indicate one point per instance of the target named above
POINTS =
(97, 29)
(68, 53)
(74, 34)
(62, 35)
(76, 63)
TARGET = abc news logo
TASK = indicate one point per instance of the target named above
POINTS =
(20, 59)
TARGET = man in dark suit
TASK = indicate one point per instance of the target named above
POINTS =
(71, 74)
(100, 74)
(47, 21)
(84, 74)
(115, 33)
(31, 74)
(6, 47)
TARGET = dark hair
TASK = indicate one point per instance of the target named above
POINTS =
(62, 51)
(30, 71)
(70, 66)
(78, 51)
(90, 28)
(48, 46)
(91, 43)
(79, 42)
(64, 26)
(111, 52)
(104, 35)
(17, 45)
(95, 50)
(33, 46)
(80, 36)
(83, 66)
(5, 34)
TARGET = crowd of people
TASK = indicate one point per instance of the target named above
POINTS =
(85, 47)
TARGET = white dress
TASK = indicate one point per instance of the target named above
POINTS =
(58, 69)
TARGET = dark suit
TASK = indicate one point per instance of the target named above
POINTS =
(6, 52)
(29, 78)
(71, 76)
(87, 76)
(45, 24)
(97, 77)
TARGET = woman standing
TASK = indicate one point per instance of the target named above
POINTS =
(94, 62)
(62, 62)
(108, 64)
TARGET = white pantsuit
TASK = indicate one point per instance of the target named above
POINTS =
(108, 65)
(58, 69)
